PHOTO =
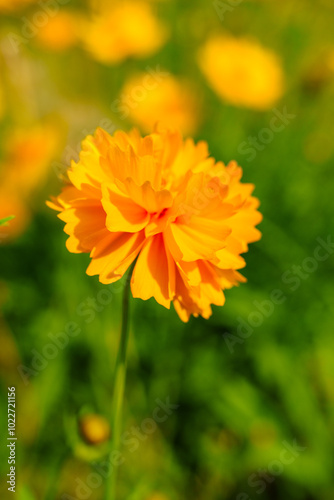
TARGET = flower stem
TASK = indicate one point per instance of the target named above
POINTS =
(118, 394)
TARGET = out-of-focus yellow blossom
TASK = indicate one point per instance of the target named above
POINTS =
(28, 153)
(146, 101)
(61, 32)
(94, 428)
(27, 157)
(126, 29)
(242, 72)
(10, 5)
(10, 204)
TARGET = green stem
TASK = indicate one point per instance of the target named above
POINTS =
(119, 384)
(54, 475)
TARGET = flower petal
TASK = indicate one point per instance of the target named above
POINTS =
(112, 257)
(123, 214)
(154, 273)
(84, 225)
(199, 239)
(145, 196)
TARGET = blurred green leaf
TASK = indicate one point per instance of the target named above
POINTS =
(4, 222)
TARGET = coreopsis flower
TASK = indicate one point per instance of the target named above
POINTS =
(126, 29)
(26, 162)
(242, 72)
(144, 100)
(163, 201)
(61, 32)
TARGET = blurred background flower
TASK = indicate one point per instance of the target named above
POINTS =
(242, 72)
(94, 428)
(27, 154)
(125, 29)
(171, 100)
(61, 32)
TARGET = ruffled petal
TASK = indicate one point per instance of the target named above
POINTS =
(123, 214)
(199, 240)
(154, 273)
(113, 256)
(85, 222)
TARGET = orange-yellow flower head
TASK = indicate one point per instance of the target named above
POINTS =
(126, 29)
(163, 201)
(145, 100)
(61, 32)
(242, 72)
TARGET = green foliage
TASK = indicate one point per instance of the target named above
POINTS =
(251, 381)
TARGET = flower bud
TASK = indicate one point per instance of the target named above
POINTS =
(94, 429)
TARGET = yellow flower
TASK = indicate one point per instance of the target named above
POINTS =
(27, 157)
(60, 32)
(242, 72)
(11, 204)
(94, 428)
(146, 100)
(28, 153)
(163, 201)
(126, 29)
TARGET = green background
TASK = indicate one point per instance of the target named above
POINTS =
(240, 399)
